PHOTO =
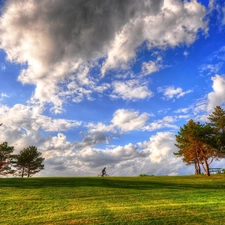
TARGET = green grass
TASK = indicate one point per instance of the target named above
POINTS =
(113, 200)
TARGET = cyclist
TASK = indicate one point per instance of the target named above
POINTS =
(104, 172)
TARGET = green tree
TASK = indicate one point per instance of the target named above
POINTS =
(217, 120)
(197, 145)
(6, 158)
(29, 162)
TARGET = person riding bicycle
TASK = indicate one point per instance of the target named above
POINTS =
(104, 172)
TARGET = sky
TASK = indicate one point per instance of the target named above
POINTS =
(109, 83)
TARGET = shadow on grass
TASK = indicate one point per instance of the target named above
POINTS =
(193, 182)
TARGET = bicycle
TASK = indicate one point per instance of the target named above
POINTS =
(104, 175)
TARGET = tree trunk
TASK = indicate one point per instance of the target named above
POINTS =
(28, 171)
(22, 172)
(206, 167)
(197, 161)
(197, 167)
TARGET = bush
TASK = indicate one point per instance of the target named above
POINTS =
(145, 175)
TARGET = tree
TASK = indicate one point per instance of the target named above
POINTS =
(5, 158)
(217, 120)
(186, 146)
(197, 144)
(29, 161)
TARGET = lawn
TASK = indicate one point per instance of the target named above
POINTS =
(113, 200)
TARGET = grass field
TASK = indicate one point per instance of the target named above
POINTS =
(113, 200)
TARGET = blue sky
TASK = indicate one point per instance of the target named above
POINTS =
(109, 83)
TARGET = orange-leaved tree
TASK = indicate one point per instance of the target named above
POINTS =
(197, 145)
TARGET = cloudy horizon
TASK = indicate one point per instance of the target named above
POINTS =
(96, 84)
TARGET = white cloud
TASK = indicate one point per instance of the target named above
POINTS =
(157, 148)
(170, 24)
(96, 157)
(3, 67)
(186, 53)
(128, 120)
(53, 46)
(217, 97)
(23, 125)
(160, 150)
(99, 127)
(183, 110)
(219, 55)
(21, 128)
(217, 7)
(130, 90)
(166, 122)
(4, 95)
(171, 92)
(150, 157)
(123, 121)
(210, 69)
(151, 66)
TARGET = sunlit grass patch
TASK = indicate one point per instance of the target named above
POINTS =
(113, 200)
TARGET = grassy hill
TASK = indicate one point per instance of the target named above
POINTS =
(113, 200)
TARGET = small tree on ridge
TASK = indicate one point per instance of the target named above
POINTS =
(29, 162)
(6, 158)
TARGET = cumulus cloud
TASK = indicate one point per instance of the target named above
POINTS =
(150, 157)
(128, 120)
(123, 121)
(31, 118)
(97, 157)
(166, 122)
(172, 92)
(23, 125)
(66, 49)
(54, 39)
(151, 66)
(154, 156)
(217, 96)
(159, 28)
(130, 90)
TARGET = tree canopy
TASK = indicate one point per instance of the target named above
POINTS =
(29, 162)
(217, 118)
(5, 158)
